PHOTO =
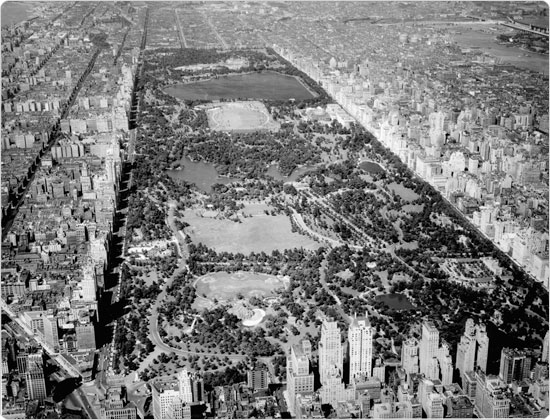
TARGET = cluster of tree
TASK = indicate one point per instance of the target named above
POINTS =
(363, 208)
(196, 119)
(181, 295)
(245, 190)
(162, 58)
(300, 265)
(229, 376)
(248, 154)
(275, 325)
(450, 303)
(313, 126)
(99, 39)
(342, 175)
(147, 215)
(224, 330)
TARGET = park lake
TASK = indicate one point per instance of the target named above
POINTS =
(267, 85)
(395, 301)
(204, 175)
(371, 167)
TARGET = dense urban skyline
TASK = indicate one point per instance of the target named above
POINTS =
(275, 209)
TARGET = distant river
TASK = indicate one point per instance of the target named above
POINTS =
(15, 11)
(471, 36)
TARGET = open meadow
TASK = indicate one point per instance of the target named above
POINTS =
(253, 234)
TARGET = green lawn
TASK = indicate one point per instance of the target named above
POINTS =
(255, 234)
(226, 286)
(405, 193)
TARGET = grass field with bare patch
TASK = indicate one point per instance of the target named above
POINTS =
(240, 116)
(227, 286)
(254, 234)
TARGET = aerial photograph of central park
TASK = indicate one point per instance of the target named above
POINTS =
(275, 209)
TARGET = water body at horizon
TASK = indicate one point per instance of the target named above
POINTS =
(267, 85)
(14, 12)
(472, 36)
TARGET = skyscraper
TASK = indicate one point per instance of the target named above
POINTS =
(184, 381)
(299, 376)
(514, 365)
(429, 346)
(330, 348)
(473, 348)
(435, 360)
(172, 400)
(334, 389)
(545, 347)
(445, 364)
(409, 356)
(360, 347)
(491, 400)
(34, 376)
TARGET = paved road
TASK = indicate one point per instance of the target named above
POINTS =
(302, 224)
(154, 335)
(323, 281)
(78, 399)
(181, 30)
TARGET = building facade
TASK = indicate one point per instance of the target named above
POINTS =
(360, 347)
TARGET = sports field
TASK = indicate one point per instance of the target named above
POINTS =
(240, 116)
(225, 286)
(254, 234)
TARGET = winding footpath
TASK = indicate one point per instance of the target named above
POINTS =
(153, 319)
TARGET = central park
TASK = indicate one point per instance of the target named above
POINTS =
(274, 215)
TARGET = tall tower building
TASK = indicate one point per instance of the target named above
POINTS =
(88, 285)
(51, 335)
(429, 346)
(299, 376)
(445, 364)
(334, 389)
(473, 348)
(491, 400)
(514, 365)
(330, 348)
(172, 400)
(409, 356)
(360, 347)
(545, 347)
(185, 388)
(34, 376)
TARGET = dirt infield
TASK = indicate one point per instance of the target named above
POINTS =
(225, 286)
(240, 116)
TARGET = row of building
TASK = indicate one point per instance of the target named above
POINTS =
(493, 172)
(425, 377)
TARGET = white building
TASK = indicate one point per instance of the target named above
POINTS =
(360, 347)
(330, 349)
